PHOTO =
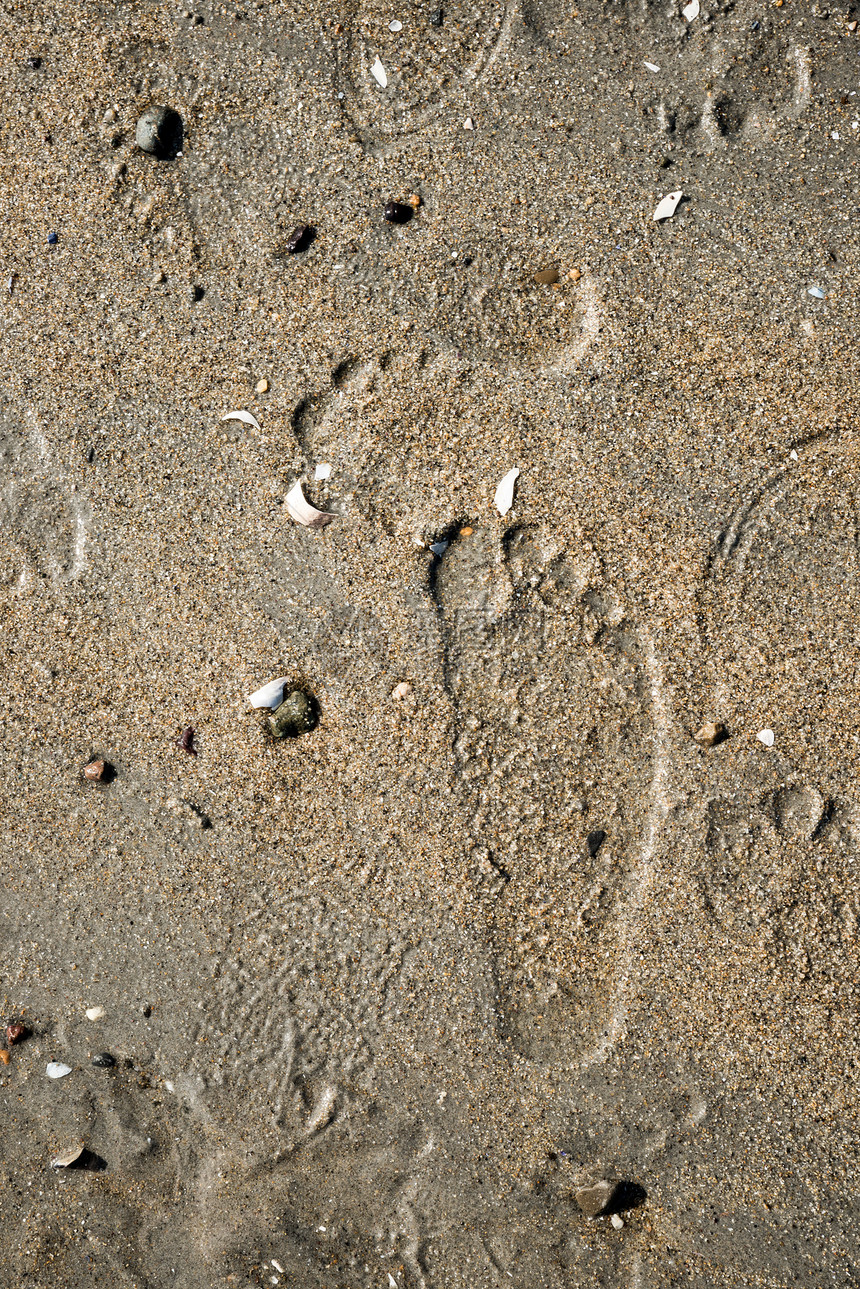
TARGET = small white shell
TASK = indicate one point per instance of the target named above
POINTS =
(269, 695)
(652, 67)
(245, 417)
(504, 497)
(379, 73)
(766, 737)
(691, 10)
(396, 25)
(668, 206)
(94, 1013)
(68, 1156)
(322, 471)
(56, 1070)
(303, 512)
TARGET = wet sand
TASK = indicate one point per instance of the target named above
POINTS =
(380, 998)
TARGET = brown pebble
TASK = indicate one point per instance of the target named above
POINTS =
(574, 275)
(593, 1200)
(299, 239)
(466, 532)
(261, 386)
(5, 1058)
(414, 201)
(396, 212)
(95, 770)
(547, 277)
(711, 733)
(15, 1033)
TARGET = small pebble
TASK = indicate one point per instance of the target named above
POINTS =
(547, 277)
(262, 387)
(299, 239)
(118, 169)
(401, 691)
(159, 132)
(574, 275)
(468, 124)
(15, 1033)
(95, 771)
(104, 1061)
(395, 26)
(616, 1222)
(52, 239)
(594, 841)
(94, 1013)
(593, 1200)
(186, 741)
(436, 18)
(295, 716)
(158, 277)
(414, 201)
(396, 212)
(34, 64)
(197, 294)
(766, 737)
(711, 733)
(5, 1058)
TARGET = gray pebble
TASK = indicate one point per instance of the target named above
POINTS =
(159, 132)
(104, 1061)
(296, 715)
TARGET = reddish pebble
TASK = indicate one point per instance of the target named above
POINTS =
(95, 770)
(186, 741)
(14, 1033)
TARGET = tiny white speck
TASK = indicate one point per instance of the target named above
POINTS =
(652, 67)
(794, 455)
(616, 1222)
(340, 93)
(834, 134)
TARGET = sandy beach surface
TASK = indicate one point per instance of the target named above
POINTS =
(375, 1006)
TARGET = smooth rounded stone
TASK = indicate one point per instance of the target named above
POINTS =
(397, 212)
(299, 239)
(159, 132)
(547, 277)
(296, 715)
(594, 1200)
(103, 1061)
(711, 733)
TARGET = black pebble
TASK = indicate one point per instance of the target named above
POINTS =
(147, 1011)
(104, 1061)
(436, 18)
(91, 452)
(299, 239)
(52, 239)
(594, 841)
(396, 212)
(197, 294)
(34, 64)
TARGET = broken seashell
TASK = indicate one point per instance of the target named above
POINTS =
(245, 417)
(504, 497)
(303, 512)
(667, 207)
(57, 1070)
(270, 695)
(402, 691)
(766, 737)
(94, 1013)
(691, 10)
(322, 471)
(68, 1157)
(379, 73)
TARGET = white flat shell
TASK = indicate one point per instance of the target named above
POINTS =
(766, 737)
(68, 1156)
(816, 292)
(379, 73)
(245, 417)
(56, 1070)
(94, 1013)
(322, 471)
(691, 10)
(303, 512)
(652, 67)
(269, 695)
(396, 25)
(504, 497)
(668, 205)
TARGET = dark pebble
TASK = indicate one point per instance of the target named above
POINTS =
(159, 132)
(147, 1011)
(299, 239)
(91, 453)
(436, 18)
(104, 1061)
(396, 212)
(16, 1033)
(34, 64)
(296, 715)
(197, 294)
(186, 741)
(52, 239)
(594, 841)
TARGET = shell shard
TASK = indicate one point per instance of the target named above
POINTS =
(70, 1156)
(504, 497)
(379, 73)
(667, 207)
(303, 512)
(269, 695)
(245, 417)
(57, 1070)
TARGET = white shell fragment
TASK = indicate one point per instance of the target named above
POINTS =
(691, 10)
(68, 1156)
(667, 207)
(94, 1013)
(816, 292)
(379, 73)
(322, 471)
(504, 497)
(793, 455)
(392, 1283)
(615, 1219)
(766, 737)
(396, 25)
(652, 67)
(56, 1070)
(303, 512)
(245, 417)
(269, 695)
(468, 124)
(439, 548)
(277, 1266)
